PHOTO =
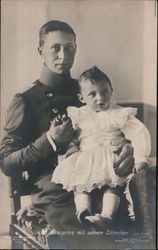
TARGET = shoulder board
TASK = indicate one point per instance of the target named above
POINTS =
(28, 87)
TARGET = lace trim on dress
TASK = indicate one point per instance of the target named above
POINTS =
(88, 187)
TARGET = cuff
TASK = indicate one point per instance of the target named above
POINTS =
(40, 149)
(51, 141)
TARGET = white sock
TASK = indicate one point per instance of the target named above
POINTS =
(82, 202)
(110, 205)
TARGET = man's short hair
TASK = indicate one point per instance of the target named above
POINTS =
(94, 74)
(54, 25)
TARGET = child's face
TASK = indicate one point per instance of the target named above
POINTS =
(96, 95)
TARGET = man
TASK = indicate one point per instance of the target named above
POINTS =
(32, 141)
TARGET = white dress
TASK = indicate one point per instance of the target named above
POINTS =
(92, 166)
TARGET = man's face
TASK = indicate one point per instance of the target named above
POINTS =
(58, 51)
(96, 95)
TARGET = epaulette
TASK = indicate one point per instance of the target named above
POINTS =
(28, 87)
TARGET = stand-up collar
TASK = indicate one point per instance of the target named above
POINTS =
(52, 79)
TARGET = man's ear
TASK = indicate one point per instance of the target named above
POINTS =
(80, 97)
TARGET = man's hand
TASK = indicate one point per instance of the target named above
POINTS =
(125, 161)
(141, 165)
(62, 132)
(73, 148)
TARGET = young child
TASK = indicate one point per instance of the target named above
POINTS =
(99, 123)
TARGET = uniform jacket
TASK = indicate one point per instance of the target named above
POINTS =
(25, 145)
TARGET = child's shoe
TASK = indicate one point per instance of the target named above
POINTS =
(100, 221)
(82, 214)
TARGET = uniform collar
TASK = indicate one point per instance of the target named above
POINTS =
(52, 79)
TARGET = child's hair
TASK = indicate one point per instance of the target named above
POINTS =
(54, 25)
(94, 74)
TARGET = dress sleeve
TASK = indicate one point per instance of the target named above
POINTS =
(138, 134)
(74, 114)
(16, 151)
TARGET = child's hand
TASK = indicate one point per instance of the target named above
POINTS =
(141, 165)
(59, 119)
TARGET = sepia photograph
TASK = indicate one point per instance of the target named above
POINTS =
(78, 101)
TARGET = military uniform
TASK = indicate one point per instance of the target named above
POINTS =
(25, 145)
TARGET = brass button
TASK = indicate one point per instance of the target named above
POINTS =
(55, 110)
(50, 95)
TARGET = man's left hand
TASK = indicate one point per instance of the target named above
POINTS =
(125, 161)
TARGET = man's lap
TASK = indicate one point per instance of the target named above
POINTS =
(59, 209)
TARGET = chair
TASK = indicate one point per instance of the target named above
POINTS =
(27, 227)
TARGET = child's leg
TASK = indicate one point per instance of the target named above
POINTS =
(111, 201)
(110, 204)
(83, 205)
